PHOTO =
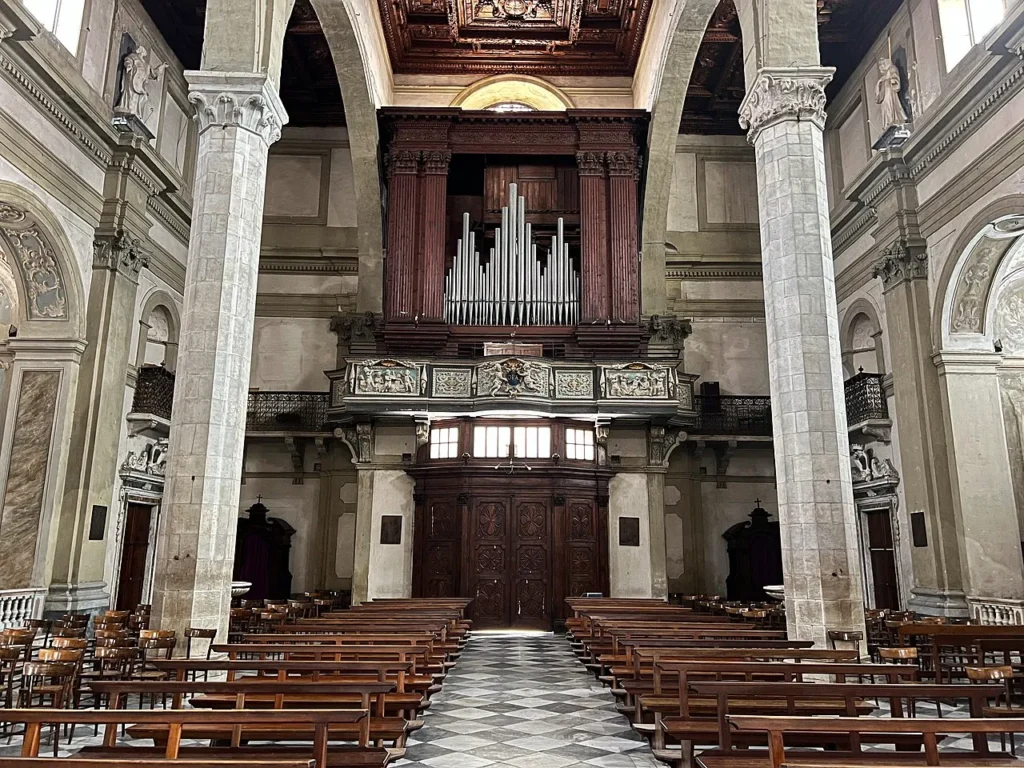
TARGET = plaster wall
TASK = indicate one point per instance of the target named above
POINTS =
(390, 565)
(291, 354)
(629, 567)
(730, 351)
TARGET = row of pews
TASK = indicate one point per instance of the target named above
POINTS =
(733, 691)
(345, 688)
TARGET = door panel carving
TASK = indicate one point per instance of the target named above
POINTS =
(436, 566)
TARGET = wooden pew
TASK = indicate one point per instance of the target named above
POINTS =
(141, 762)
(235, 726)
(789, 699)
(854, 730)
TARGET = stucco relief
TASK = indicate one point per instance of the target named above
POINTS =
(972, 292)
(23, 238)
(1011, 385)
(1009, 321)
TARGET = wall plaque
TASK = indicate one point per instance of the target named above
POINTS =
(918, 530)
(629, 531)
(97, 523)
(391, 529)
(512, 349)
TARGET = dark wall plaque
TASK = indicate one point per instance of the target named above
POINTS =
(918, 531)
(629, 531)
(391, 529)
(98, 523)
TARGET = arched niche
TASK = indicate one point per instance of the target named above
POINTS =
(861, 339)
(49, 288)
(159, 329)
(533, 93)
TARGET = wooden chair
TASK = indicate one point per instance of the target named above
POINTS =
(46, 684)
(41, 627)
(22, 639)
(1008, 705)
(159, 644)
(10, 670)
(842, 636)
(199, 633)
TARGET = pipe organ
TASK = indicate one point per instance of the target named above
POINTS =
(519, 284)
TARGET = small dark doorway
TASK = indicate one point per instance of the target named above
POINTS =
(882, 550)
(134, 556)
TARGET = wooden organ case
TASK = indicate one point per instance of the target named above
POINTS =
(513, 182)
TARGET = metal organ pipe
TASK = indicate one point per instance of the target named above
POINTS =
(518, 285)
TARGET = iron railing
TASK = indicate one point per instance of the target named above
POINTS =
(286, 411)
(734, 415)
(865, 398)
(154, 391)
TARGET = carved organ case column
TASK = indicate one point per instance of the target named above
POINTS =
(594, 232)
(433, 224)
(403, 191)
(623, 174)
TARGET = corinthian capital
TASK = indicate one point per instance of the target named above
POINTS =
(900, 263)
(245, 100)
(785, 93)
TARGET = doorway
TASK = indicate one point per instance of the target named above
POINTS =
(134, 556)
(882, 556)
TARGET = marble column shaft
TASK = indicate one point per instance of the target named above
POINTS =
(239, 115)
(784, 112)
(924, 460)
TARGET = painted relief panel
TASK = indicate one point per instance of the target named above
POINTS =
(26, 478)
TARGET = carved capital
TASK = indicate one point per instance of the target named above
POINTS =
(785, 93)
(623, 163)
(355, 326)
(403, 162)
(120, 252)
(590, 163)
(248, 101)
(669, 330)
(435, 162)
(901, 264)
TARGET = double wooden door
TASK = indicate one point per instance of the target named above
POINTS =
(882, 553)
(510, 561)
(134, 556)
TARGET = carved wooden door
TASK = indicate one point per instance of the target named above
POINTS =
(531, 577)
(489, 519)
(583, 545)
(440, 558)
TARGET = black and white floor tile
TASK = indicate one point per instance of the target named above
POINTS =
(523, 700)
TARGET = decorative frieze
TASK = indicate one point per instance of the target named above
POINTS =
(452, 382)
(785, 93)
(512, 378)
(574, 385)
(22, 237)
(237, 100)
(392, 378)
(634, 381)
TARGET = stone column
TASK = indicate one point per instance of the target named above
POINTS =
(938, 585)
(434, 224)
(240, 115)
(77, 577)
(784, 112)
(594, 248)
(623, 174)
(400, 271)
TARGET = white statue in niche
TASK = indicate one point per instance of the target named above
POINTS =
(134, 81)
(887, 93)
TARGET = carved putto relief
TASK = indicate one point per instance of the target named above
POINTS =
(636, 380)
(512, 378)
(865, 466)
(387, 377)
(971, 296)
(152, 460)
(22, 238)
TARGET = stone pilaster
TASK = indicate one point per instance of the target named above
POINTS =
(239, 115)
(784, 113)
(924, 460)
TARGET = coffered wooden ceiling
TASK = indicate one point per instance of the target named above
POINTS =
(543, 37)
(537, 37)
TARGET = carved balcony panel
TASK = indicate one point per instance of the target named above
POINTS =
(867, 408)
(151, 406)
(372, 385)
(290, 412)
(749, 416)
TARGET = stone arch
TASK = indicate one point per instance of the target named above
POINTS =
(49, 287)
(159, 300)
(665, 97)
(860, 311)
(964, 292)
(534, 92)
(361, 73)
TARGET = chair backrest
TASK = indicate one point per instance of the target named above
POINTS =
(61, 655)
(69, 631)
(110, 634)
(13, 636)
(163, 634)
(904, 654)
(151, 646)
(69, 643)
(838, 634)
(144, 609)
(114, 642)
(984, 674)
(36, 673)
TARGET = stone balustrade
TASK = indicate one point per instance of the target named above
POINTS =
(18, 605)
(996, 611)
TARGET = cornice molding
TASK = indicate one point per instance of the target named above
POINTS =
(785, 93)
(175, 223)
(713, 273)
(343, 265)
(166, 268)
(849, 232)
(718, 308)
(303, 305)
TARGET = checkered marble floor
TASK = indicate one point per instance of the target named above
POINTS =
(523, 700)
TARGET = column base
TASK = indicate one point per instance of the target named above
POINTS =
(951, 603)
(87, 597)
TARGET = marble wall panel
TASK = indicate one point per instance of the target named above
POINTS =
(26, 478)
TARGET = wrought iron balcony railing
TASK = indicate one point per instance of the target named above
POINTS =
(154, 391)
(286, 411)
(865, 399)
(734, 415)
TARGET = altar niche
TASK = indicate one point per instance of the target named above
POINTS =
(576, 174)
(518, 534)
